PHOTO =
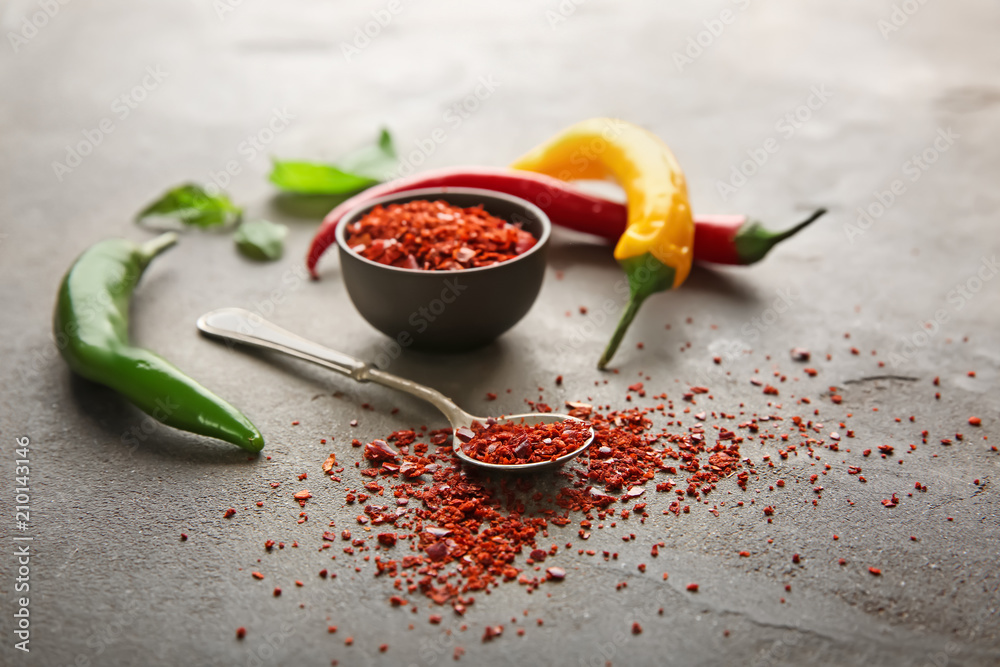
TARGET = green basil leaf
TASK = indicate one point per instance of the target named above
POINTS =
(378, 161)
(310, 178)
(190, 205)
(356, 171)
(262, 240)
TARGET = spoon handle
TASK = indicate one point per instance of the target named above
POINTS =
(242, 326)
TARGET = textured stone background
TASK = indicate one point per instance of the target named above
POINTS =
(112, 584)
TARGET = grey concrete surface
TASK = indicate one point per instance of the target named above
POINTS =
(110, 581)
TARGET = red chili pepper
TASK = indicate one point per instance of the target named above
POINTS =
(722, 239)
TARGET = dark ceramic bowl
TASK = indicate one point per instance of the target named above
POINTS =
(448, 310)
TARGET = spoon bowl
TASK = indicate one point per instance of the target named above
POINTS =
(242, 326)
(529, 418)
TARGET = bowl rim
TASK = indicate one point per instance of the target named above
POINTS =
(441, 193)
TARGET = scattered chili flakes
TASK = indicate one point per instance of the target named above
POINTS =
(636, 628)
(229, 513)
(875, 571)
(241, 632)
(975, 421)
(464, 534)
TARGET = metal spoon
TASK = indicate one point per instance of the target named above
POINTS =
(242, 326)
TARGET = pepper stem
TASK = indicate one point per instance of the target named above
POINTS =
(753, 242)
(154, 247)
(631, 309)
(646, 275)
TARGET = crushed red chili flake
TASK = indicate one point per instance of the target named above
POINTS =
(229, 513)
(241, 632)
(463, 533)
(510, 443)
(875, 571)
(436, 236)
(636, 628)
(975, 421)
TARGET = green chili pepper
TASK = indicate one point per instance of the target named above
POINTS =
(91, 326)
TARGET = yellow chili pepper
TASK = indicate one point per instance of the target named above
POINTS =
(656, 248)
